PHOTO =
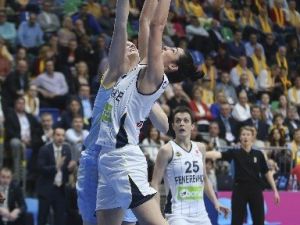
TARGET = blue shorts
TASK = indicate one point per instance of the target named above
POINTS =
(87, 180)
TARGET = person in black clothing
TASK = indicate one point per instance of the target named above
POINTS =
(249, 168)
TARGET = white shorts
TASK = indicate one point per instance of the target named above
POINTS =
(123, 178)
(87, 180)
(174, 219)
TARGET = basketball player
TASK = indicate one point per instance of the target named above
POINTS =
(88, 172)
(181, 163)
(122, 166)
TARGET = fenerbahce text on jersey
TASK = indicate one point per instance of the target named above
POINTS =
(184, 182)
(126, 111)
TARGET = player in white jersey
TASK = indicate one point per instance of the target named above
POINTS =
(122, 166)
(181, 163)
(88, 170)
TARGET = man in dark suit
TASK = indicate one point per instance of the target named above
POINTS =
(292, 121)
(255, 121)
(16, 84)
(54, 163)
(13, 209)
(228, 126)
(20, 132)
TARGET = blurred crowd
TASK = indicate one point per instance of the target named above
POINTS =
(52, 55)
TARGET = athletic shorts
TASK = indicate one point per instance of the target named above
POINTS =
(87, 179)
(123, 178)
(174, 219)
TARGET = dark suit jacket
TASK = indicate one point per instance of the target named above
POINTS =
(234, 127)
(262, 129)
(288, 123)
(13, 127)
(47, 169)
(16, 200)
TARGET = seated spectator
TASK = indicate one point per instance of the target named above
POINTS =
(294, 93)
(283, 106)
(220, 98)
(293, 16)
(207, 92)
(281, 82)
(292, 121)
(294, 146)
(216, 35)
(86, 102)
(200, 109)
(210, 71)
(265, 81)
(13, 209)
(236, 47)
(16, 84)
(256, 121)
(258, 60)
(39, 64)
(278, 122)
(293, 53)
(179, 98)
(106, 21)
(281, 60)
(266, 108)
(75, 136)
(264, 23)
(90, 23)
(238, 70)
(195, 9)
(21, 130)
(244, 86)
(276, 142)
(82, 73)
(7, 30)
(48, 20)
(227, 15)
(247, 19)
(222, 60)
(241, 110)
(52, 87)
(65, 33)
(270, 47)
(32, 102)
(278, 16)
(215, 142)
(226, 87)
(74, 108)
(30, 34)
(94, 8)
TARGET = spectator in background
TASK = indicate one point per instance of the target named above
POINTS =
(240, 69)
(7, 29)
(293, 53)
(283, 106)
(13, 209)
(236, 47)
(264, 23)
(20, 128)
(213, 140)
(256, 121)
(294, 146)
(281, 59)
(258, 60)
(39, 65)
(86, 102)
(106, 21)
(241, 110)
(75, 136)
(227, 15)
(54, 165)
(30, 34)
(266, 108)
(292, 121)
(294, 93)
(16, 84)
(220, 98)
(281, 82)
(270, 47)
(82, 73)
(245, 86)
(90, 23)
(74, 108)
(52, 87)
(48, 20)
(210, 71)
(32, 102)
(216, 35)
(293, 16)
(5, 61)
(180, 97)
(226, 87)
(65, 33)
(94, 8)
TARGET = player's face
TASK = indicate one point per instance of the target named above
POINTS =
(182, 124)
(246, 137)
(132, 52)
(170, 57)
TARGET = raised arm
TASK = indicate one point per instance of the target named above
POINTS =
(153, 76)
(159, 119)
(144, 27)
(117, 52)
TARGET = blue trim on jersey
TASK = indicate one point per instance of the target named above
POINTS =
(168, 206)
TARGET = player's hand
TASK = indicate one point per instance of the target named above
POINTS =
(276, 197)
(222, 209)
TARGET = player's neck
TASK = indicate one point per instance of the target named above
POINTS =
(184, 142)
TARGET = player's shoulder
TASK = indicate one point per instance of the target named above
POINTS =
(201, 146)
(166, 151)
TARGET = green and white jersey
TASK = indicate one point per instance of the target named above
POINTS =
(184, 182)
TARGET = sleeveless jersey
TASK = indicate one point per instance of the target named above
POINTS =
(101, 99)
(126, 110)
(184, 182)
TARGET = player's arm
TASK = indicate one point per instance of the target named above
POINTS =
(208, 188)
(144, 27)
(153, 75)
(163, 157)
(117, 52)
(159, 119)
(271, 181)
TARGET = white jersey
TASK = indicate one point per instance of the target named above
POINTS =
(184, 182)
(126, 110)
